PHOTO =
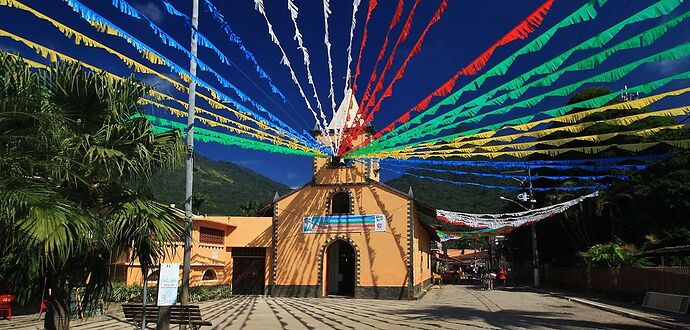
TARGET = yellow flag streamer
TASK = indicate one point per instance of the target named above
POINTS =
(54, 55)
(243, 129)
(79, 38)
(555, 142)
(633, 147)
(569, 118)
(575, 128)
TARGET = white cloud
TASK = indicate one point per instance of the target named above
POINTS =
(151, 11)
(291, 175)
(668, 67)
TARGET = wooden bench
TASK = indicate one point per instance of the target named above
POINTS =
(189, 315)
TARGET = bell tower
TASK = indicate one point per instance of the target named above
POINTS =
(342, 170)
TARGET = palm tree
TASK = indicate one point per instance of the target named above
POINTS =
(74, 182)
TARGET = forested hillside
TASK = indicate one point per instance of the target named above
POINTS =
(220, 188)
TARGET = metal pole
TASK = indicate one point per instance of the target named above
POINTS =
(535, 250)
(189, 162)
(145, 299)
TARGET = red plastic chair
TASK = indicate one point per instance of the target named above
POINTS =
(6, 305)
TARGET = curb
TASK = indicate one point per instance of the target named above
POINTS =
(608, 308)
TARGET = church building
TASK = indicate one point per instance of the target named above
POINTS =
(342, 234)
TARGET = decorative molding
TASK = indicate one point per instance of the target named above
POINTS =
(324, 250)
(340, 189)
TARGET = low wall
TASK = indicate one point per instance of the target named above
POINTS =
(625, 282)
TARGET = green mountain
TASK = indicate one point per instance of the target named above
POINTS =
(225, 188)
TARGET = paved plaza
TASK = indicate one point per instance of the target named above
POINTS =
(449, 307)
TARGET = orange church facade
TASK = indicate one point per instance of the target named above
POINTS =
(342, 234)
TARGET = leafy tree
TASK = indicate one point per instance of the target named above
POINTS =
(199, 200)
(614, 254)
(74, 194)
(250, 208)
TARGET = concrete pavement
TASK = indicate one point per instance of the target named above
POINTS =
(449, 307)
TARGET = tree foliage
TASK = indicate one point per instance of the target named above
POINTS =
(74, 181)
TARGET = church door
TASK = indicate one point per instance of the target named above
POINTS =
(340, 269)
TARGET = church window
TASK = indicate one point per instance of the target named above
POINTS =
(340, 203)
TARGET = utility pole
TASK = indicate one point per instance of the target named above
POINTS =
(189, 161)
(533, 226)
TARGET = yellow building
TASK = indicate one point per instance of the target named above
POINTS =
(342, 234)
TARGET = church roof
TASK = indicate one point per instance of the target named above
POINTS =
(347, 111)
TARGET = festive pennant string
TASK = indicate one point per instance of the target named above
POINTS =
(154, 57)
(205, 135)
(238, 128)
(104, 25)
(574, 128)
(327, 41)
(633, 147)
(525, 123)
(585, 13)
(521, 31)
(389, 62)
(203, 41)
(138, 67)
(353, 24)
(473, 135)
(601, 164)
(368, 115)
(516, 90)
(555, 142)
(394, 22)
(363, 43)
(509, 188)
(218, 120)
(519, 177)
(294, 12)
(439, 124)
(259, 6)
(497, 221)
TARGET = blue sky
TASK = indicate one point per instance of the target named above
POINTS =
(466, 29)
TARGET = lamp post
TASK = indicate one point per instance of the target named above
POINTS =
(535, 250)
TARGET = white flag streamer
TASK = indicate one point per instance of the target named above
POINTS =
(327, 41)
(517, 219)
(294, 12)
(259, 6)
(355, 7)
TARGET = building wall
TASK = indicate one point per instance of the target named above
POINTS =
(422, 258)
(238, 232)
(382, 255)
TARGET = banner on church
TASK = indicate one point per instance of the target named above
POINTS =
(344, 223)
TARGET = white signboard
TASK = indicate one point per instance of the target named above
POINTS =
(168, 278)
(380, 223)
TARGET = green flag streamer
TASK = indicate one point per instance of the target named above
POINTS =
(205, 135)
(656, 10)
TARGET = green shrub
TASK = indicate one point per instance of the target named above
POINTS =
(133, 293)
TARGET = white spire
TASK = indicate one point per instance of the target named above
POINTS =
(347, 111)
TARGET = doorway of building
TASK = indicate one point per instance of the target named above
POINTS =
(340, 269)
(248, 265)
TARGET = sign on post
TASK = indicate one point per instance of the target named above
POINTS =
(168, 278)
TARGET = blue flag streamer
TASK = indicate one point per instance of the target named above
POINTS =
(601, 164)
(510, 188)
(89, 15)
(203, 41)
(520, 177)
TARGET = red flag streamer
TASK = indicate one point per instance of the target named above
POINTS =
(401, 71)
(394, 21)
(403, 35)
(521, 31)
(372, 5)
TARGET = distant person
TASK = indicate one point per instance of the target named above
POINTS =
(492, 279)
(502, 277)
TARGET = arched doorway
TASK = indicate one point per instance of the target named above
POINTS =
(340, 269)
